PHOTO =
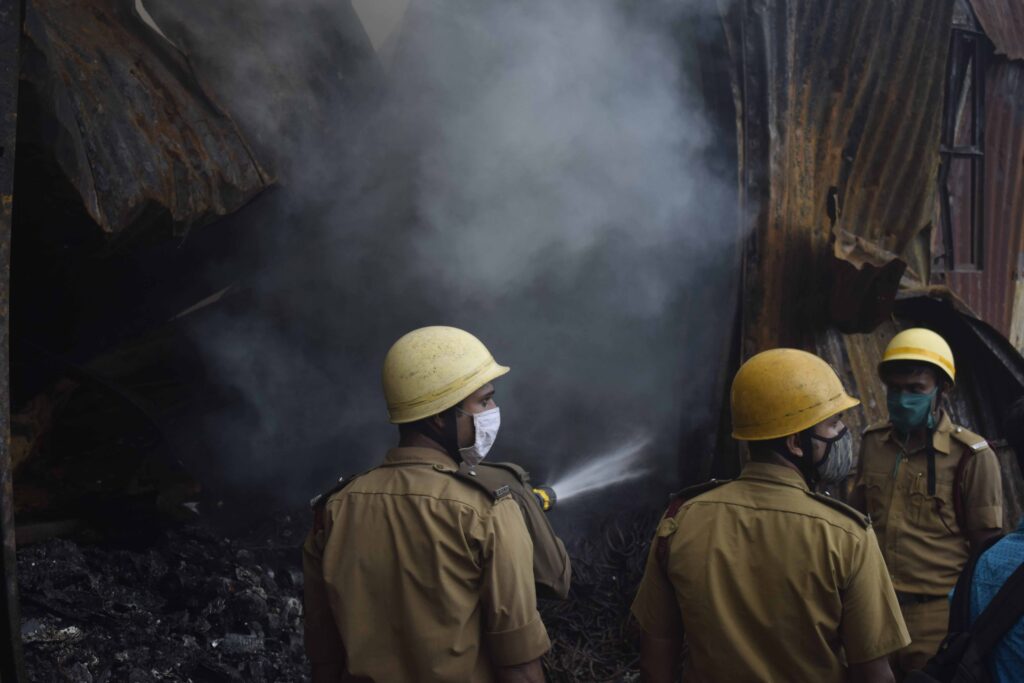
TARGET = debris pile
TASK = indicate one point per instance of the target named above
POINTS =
(593, 636)
(191, 607)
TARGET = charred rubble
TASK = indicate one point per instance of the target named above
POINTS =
(203, 602)
(191, 605)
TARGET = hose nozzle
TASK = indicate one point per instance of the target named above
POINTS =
(546, 497)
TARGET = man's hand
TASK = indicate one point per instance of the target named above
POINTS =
(659, 658)
(531, 672)
(875, 671)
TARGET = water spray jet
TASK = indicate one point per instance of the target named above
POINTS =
(608, 469)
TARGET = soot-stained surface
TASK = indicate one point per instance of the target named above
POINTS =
(211, 601)
(193, 605)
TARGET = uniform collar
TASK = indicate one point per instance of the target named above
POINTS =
(940, 438)
(419, 456)
(773, 474)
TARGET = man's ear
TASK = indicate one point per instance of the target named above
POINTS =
(793, 444)
(438, 421)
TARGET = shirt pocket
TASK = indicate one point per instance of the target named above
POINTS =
(877, 494)
(934, 512)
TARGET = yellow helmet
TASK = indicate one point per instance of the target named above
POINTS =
(432, 369)
(919, 344)
(784, 391)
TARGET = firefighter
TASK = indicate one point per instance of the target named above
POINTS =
(766, 579)
(416, 571)
(931, 487)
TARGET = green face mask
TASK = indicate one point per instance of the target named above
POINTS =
(909, 411)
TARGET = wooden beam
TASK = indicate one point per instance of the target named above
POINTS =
(12, 668)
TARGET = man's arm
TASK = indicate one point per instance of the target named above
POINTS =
(531, 672)
(875, 671)
(514, 634)
(323, 642)
(659, 658)
(872, 625)
(983, 497)
(978, 537)
(657, 611)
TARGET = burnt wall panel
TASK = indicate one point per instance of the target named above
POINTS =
(839, 112)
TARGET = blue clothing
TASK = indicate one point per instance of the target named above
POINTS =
(1006, 661)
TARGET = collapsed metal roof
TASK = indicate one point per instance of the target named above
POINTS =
(128, 123)
(839, 111)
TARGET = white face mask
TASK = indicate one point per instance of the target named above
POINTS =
(486, 425)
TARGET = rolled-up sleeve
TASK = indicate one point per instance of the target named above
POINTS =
(322, 640)
(872, 624)
(655, 606)
(513, 630)
(983, 492)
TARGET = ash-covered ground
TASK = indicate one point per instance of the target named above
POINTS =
(192, 604)
(212, 602)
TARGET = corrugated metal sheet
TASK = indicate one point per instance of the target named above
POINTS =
(855, 358)
(838, 106)
(990, 292)
(1003, 22)
(127, 121)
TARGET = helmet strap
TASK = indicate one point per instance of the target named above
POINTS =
(447, 436)
(806, 465)
(451, 434)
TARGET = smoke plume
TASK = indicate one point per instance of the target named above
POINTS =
(535, 172)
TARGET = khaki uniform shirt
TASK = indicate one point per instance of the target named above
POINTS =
(552, 570)
(921, 541)
(420, 577)
(770, 583)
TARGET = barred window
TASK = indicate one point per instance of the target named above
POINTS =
(962, 173)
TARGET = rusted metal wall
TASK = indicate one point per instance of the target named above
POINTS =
(11, 667)
(132, 129)
(1003, 22)
(838, 115)
(990, 291)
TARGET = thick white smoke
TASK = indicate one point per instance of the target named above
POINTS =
(535, 172)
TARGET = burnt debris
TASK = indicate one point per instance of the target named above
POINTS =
(593, 636)
(203, 603)
(193, 606)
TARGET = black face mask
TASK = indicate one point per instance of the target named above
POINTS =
(814, 472)
(837, 462)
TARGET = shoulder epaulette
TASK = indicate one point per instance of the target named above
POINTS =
(851, 512)
(968, 438)
(318, 503)
(321, 498)
(520, 474)
(470, 478)
(875, 426)
(691, 492)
